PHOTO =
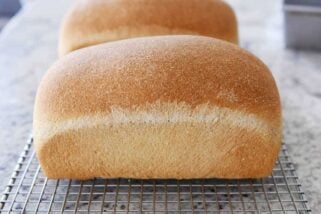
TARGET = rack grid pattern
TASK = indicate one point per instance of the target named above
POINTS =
(29, 191)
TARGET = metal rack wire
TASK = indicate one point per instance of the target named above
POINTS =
(29, 191)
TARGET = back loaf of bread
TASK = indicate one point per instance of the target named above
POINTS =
(91, 22)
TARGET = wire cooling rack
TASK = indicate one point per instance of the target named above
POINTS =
(29, 191)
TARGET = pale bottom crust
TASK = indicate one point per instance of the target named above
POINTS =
(170, 150)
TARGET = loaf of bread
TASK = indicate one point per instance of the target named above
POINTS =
(158, 107)
(91, 22)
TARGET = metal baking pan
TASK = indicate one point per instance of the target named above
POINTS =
(303, 24)
(29, 191)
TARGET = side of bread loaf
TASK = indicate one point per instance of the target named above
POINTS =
(158, 107)
(91, 22)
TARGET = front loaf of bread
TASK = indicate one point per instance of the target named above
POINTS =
(91, 22)
(158, 107)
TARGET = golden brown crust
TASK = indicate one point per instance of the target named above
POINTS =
(137, 75)
(92, 22)
(134, 72)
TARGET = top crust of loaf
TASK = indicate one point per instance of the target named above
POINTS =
(92, 22)
(133, 73)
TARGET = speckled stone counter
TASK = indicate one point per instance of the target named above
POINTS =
(28, 47)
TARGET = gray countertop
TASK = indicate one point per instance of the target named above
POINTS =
(28, 47)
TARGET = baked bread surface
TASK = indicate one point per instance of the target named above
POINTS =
(158, 107)
(91, 22)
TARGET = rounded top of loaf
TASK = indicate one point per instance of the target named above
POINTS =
(91, 22)
(135, 73)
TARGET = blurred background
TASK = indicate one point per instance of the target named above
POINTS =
(286, 35)
(7, 9)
